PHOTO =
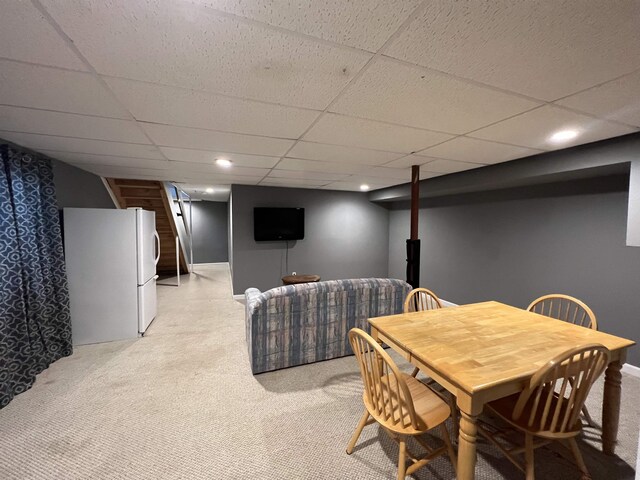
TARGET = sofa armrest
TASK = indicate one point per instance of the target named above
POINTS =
(251, 297)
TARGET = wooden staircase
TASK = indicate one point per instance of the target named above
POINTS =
(151, 195)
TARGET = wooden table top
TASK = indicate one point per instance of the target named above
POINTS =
(481, 345)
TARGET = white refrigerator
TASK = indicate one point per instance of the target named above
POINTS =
(111, 258)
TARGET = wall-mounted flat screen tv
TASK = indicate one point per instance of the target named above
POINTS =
(278, 224)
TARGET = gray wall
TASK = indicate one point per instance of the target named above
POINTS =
(78, 188)
(210, 243)
(346, 236)
(633, 216)
(514, 248)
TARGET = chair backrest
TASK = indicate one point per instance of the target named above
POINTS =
(421, 299)
(384, 385)
(566, 308)
(568, 378)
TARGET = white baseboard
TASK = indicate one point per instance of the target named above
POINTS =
(631, 370)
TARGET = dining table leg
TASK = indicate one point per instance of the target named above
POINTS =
(611, 407)
(467, 439)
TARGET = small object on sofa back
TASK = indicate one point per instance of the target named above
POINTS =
(305, 323)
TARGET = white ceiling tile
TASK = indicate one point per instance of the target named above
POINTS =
(316, 166)
(305, 175)
(545, 50)
(477, 151)
(533, 129)
(398, 93)
(362, 24)
(124, 172)
(386, 173)
(188, 45)
(293, 182)
(199, 191)
(176, 106)
(354, 185)
(81, 145)
(358, 132)
(216, 179)
(344, 186)
(170, 136)
(448, 166)
(408, 161)
(28, 120)
(202, 156)
(616, 100)
(26, 35)
(215, 170)
(85, 158)
(53, 89)
(336, 153)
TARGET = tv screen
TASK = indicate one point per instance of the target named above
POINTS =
(278, 224)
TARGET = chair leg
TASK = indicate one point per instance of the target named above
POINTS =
(578, 457)
(356, 434)
(453, 405)
(587, 416)
(528, 456)
(402, 458)
(415, 372)
(450, 451)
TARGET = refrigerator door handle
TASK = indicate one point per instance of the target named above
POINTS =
(155, 234)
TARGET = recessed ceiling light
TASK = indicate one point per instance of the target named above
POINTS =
(209, 190)
(223, 162)
(563, 136)
(364, 187)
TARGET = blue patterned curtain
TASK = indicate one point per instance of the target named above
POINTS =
(35, 328)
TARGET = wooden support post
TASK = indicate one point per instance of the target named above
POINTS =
(413, 244)
(415, 199)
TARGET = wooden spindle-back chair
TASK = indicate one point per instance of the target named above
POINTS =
(568, 309)
(402, 405)
(421, 299)
(549, 407)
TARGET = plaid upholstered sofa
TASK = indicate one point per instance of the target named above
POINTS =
(308, 322)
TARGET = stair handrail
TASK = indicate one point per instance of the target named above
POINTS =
(187, 224)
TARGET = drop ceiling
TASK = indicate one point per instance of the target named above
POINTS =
(327, 95)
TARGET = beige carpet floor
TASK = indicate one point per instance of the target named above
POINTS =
(181, 403)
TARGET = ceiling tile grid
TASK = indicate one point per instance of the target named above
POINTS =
(47, 88)
(183, 44)
(29, 120)
(302, 175)
(472, 150)
(199, 139)
(533, 129)
(337, 153)
(358, 132)
(82, 145)
(188, 108)
(545, 50)
(293, 94)
(416, 97)
(364, 24)
(208, 157)
(107, 160)
(38, 40)
(616, 100)
(299, 164)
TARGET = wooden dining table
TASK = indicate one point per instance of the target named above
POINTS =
(484, 351)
